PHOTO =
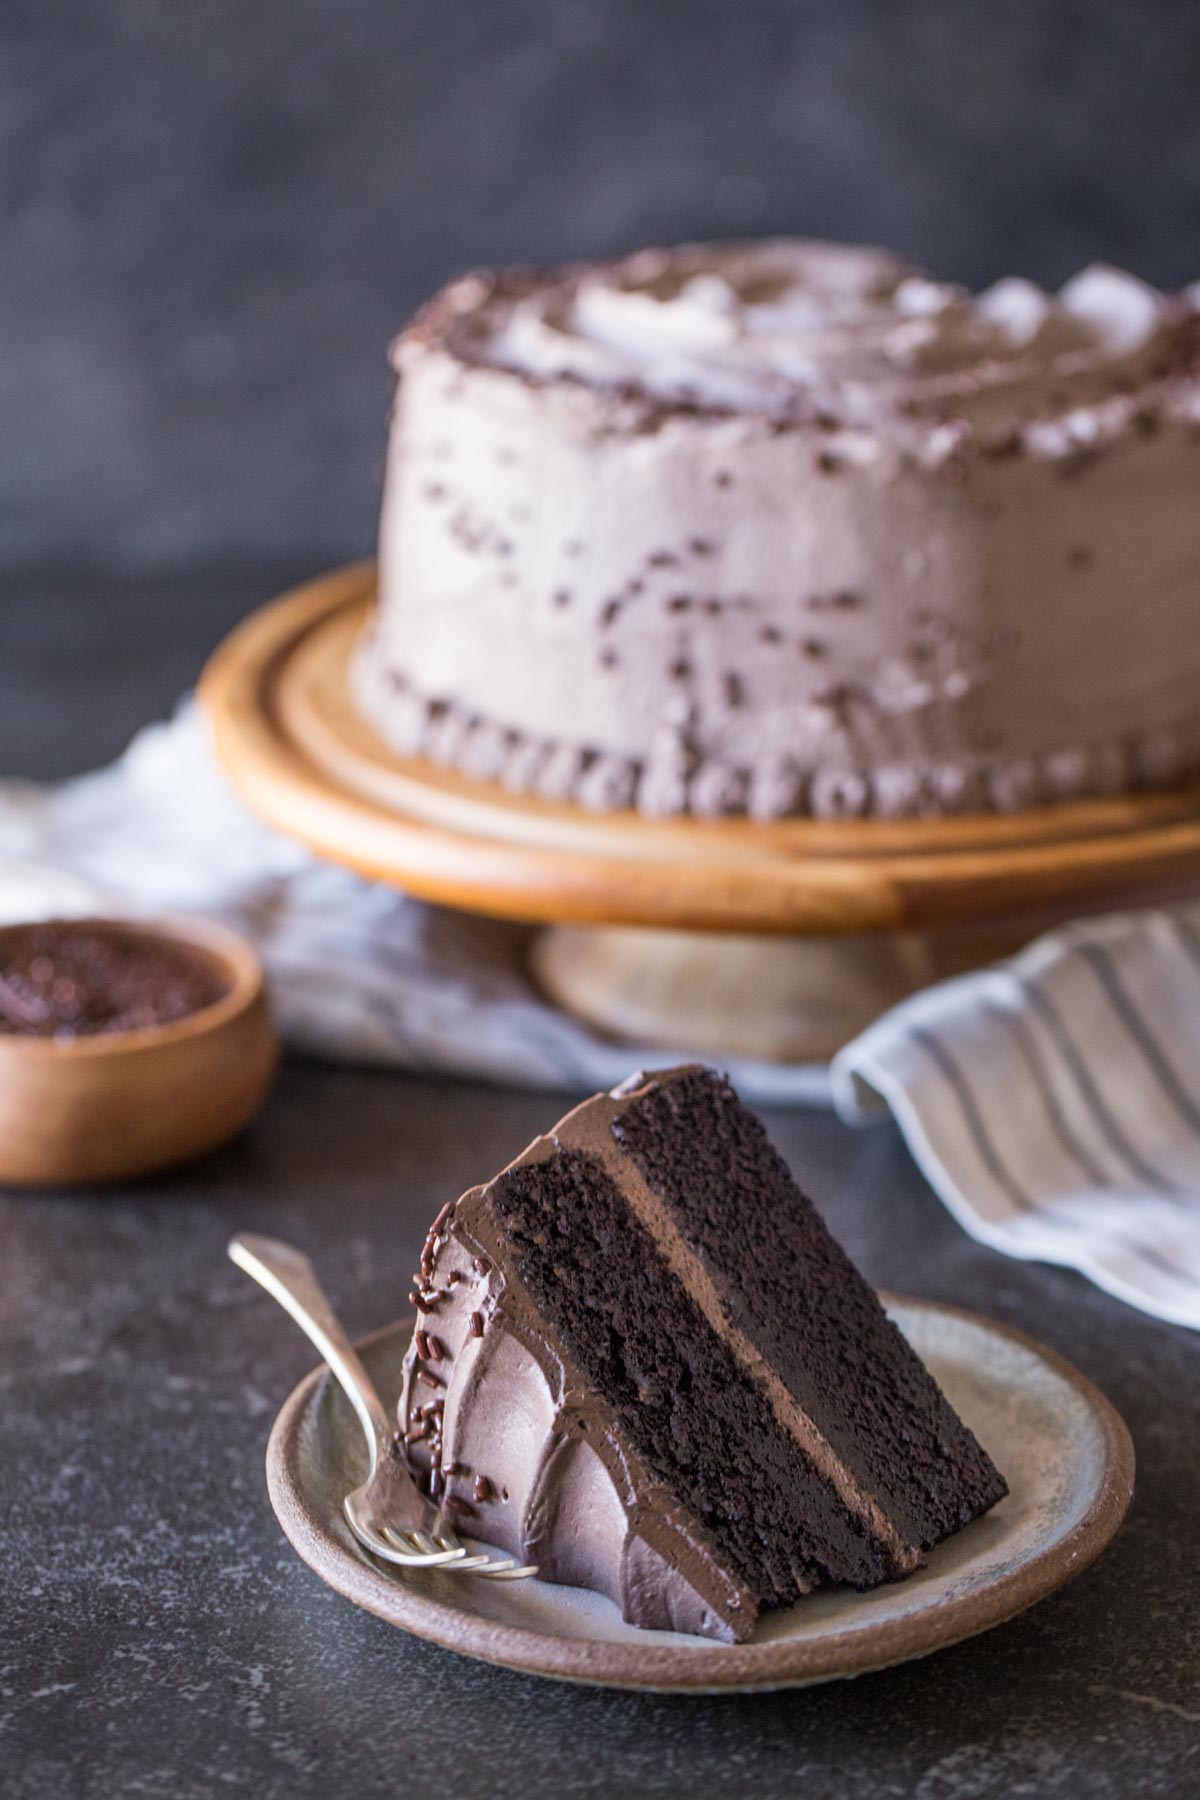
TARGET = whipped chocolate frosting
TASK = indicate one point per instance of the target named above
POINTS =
(790, 527)
(784, 326)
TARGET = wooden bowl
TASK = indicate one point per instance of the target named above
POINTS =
(92, 1109)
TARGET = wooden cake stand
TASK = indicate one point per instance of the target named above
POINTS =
(775, 940)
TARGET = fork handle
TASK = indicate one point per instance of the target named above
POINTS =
(289, 1277)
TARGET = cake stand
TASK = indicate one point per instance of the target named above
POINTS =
(775, 940)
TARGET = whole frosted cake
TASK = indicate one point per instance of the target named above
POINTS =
(787, 528)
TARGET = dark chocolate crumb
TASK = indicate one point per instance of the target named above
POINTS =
(69, 979)
(483, 1489)
(476, 1325)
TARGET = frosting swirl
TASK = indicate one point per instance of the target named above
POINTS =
(788, 327)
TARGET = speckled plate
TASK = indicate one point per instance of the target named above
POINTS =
(1065, 1453)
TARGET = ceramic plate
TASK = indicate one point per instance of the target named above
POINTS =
(1064, 1451)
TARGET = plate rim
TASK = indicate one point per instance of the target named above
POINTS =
(686, 1668)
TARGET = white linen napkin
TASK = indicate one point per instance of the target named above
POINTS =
(358, 972)
(1053, 1101)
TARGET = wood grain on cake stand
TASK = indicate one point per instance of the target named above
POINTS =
(860, 910)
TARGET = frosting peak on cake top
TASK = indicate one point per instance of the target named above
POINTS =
(788, 324)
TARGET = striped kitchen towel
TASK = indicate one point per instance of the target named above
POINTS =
(1053, 1101)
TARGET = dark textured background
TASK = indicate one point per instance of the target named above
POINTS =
(215, 213)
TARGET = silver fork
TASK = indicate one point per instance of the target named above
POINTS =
(388, 1514)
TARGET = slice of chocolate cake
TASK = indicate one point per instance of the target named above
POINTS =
(642, 1362)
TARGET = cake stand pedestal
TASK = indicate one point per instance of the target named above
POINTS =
(776, 940)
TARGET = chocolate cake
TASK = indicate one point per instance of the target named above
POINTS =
(642, 1362)
(790, 528)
